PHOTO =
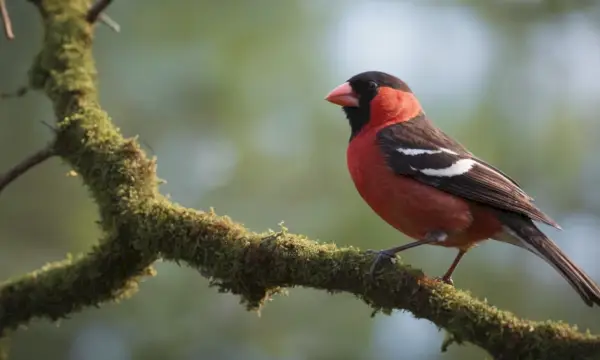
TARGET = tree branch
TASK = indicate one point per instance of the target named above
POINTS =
(21, 168)
(140, 225)
(96, 9)
(96, 12)
(8, 31)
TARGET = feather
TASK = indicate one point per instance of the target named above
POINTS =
(421, 151)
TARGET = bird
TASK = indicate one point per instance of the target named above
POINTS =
(431, 188)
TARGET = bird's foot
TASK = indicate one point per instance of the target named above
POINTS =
(445, 279)
(381, 255)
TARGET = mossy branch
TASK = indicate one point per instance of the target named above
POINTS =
(142, 226)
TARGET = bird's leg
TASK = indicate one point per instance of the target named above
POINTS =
(447, 278)
(432, 237)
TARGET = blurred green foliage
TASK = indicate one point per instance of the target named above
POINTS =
(228, 96)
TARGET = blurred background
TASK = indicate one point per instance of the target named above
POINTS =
(229, 96)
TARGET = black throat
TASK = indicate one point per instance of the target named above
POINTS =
(358, 117)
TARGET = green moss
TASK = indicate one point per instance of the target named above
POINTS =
(140, 226)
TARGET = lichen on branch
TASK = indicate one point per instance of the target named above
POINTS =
(140, 226)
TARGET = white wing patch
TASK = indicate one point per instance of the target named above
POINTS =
(460, 167)
(448, 151)
(413, 152)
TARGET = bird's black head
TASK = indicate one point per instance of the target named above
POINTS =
(356, 94)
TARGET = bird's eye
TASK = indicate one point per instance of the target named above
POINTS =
(372, 85)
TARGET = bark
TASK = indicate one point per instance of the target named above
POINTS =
(141, 226)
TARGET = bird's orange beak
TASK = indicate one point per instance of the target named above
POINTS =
(343, 95)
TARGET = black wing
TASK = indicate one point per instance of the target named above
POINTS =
(421, 151)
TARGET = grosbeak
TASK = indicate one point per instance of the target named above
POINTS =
(431, 188)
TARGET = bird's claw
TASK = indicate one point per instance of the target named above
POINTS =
(445, 279)
(380, 255)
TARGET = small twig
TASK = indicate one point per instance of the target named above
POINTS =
(19, 93)
(96, 9)
(143, 142)
(29, 162)
(8, 31)
(49, 126)
(96, 14)
(106, 20)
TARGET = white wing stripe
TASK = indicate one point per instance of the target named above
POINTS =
(413, 152)
(448, 151)
(460, 167)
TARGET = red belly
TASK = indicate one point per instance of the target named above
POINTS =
(413, 207)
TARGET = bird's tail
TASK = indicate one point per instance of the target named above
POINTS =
(522, 232)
